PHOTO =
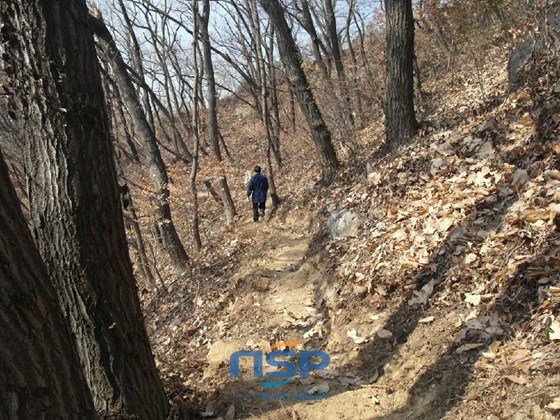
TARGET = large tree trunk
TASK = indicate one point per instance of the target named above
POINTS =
(40, 373)
(400, 122)
(292, 62)
(77, 217)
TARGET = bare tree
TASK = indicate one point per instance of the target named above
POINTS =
(156, 165)
(291, 58)
(195, 117)
(400, 117)
(76, 214)
(213, 133)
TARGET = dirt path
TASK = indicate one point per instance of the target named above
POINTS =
(281, 297)
(388, 359)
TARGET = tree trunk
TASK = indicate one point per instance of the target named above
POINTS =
(77, 217)
(158, 171)
(418, 85)
(212, 191)
(196, 136)
(229, 207)
(334, 42)
(306, 21)
(292, 108)
(144, 262)
(136, 55)
(265, 113)
(292, 62)
(213, 134)
(40, 373)
(274, 101)
(400, 122)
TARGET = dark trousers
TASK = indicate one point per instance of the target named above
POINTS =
(256, 207)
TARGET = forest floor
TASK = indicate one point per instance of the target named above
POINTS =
(446, 304)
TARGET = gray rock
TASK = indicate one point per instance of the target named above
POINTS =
(524, 51)
(518, 58)
(343, 224)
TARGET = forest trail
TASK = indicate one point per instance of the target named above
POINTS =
(281, 294)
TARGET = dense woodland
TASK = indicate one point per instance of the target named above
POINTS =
(412, 229)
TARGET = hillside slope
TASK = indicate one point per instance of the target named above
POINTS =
(444, 305)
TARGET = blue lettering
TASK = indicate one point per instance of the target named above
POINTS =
(305, 366)
(291, 367)
(257, 363)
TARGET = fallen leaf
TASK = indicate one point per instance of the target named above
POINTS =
(349, 380)
(230, 415)
(426, 320)
(461, 335)
(554, 333)
(554, 405)
(524, 367)
(553, 174)
(495, 346)
(470, 258)
(354, 336)
(472, 299)
(521, 380)
(520, 356)
(468, 347)
(423, 294)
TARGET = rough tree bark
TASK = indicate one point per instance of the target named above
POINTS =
(400, 122)
(195, 118)
(40, 373)
(74, 203)
(156, 165)
(229, 206)
(291, 59)
(211, 96)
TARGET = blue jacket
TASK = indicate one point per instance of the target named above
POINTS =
(258, 186)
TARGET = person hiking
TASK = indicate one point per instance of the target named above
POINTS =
(258, 187)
